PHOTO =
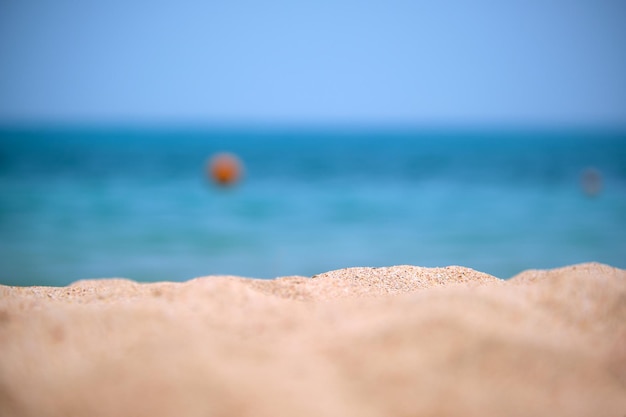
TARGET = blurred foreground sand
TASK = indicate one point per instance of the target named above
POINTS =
(397, 341)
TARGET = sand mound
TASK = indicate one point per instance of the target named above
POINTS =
(397, 341)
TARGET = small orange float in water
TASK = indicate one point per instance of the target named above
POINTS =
(225, 169)
(591, 182)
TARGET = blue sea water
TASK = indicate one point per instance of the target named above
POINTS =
(81, 203)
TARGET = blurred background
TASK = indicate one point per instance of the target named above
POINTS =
(486, 135)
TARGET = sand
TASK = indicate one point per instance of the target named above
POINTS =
(397, 341)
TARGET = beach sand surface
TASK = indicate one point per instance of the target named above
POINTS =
(394, 341)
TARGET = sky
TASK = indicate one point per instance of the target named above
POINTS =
(558, 62)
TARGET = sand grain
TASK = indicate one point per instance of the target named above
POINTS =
(396, 341)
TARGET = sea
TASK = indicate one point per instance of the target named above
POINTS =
(84, 202)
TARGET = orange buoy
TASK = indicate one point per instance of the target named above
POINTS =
(591, 182)
(225, 169)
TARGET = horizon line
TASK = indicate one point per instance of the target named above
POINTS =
(299, 126)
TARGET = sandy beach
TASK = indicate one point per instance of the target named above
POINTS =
(395, 341)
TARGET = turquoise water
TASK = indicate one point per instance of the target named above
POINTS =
(89, 203)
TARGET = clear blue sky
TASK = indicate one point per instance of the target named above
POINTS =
(463, 62)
